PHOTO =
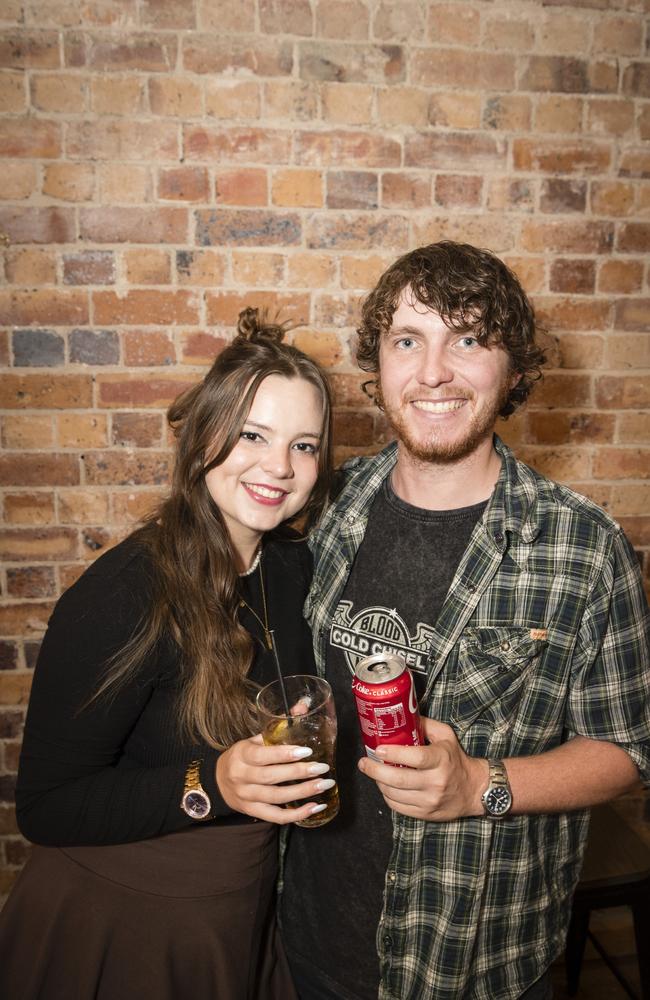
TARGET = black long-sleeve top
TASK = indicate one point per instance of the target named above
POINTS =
(114, 771)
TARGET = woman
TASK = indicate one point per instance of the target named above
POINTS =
(139, 776)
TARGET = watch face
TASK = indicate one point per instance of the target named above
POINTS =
(498, 800)
(196, 804)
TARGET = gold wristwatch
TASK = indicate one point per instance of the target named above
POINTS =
(196, 801)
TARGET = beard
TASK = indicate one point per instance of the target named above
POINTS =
(435, 447)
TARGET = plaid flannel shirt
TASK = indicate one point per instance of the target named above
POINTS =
(543, 635)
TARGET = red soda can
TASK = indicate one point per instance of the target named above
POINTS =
(387, 707)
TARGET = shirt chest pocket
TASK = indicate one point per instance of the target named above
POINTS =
(494, 663)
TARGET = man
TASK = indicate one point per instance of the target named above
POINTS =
(519, 607)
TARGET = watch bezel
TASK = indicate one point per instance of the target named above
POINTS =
(497, 808)
(191, 810)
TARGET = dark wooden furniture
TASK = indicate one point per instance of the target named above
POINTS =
(616, 872)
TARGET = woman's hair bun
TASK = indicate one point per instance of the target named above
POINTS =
(253, 325)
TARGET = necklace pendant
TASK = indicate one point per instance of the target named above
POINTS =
(269, 641)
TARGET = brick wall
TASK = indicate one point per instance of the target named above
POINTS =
(167, 161)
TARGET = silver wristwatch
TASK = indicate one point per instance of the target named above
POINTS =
(497, 797)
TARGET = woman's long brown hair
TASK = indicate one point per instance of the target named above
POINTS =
(195, 584)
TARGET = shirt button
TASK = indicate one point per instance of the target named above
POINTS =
(387, 940)
(471, 588)
(498, 537)
(392, 877)
(505, 645)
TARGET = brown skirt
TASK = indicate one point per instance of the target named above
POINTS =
(190, 914)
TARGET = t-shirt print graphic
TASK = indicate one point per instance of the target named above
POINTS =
(379, 630)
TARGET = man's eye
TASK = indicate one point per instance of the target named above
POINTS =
(468, 341)
(405, 343)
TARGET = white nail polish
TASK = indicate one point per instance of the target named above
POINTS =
(325, 784)
(318, 809)
(298, 753)
(318, 768)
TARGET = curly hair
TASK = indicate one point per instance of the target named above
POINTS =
(472, 290)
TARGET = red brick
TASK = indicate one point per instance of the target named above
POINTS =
(18, 180)
(215, 54)
(573, 314)
(81, 430)
(124, 184)
(448, 24)
(619, 392)
(578, 350)
(494, 231)
(352, 189)
(634, 237)
(362, 272)
(13, 96)
(570, 427)
(147, 266)
(137, 430)
(472, 69)
(37, 348)
(348, 149)
(459, 150)
(634, 428)
(31, 581)
(635, 163)
(276, 15)
(567, 237)
(556, 73)
(326, 348)
(244, 186)
(561, 156)
(612, 198)
(42, 544)
(60, 92)
(38, 307)
(24, 619)
(131, 507)
(142, 468)
(38, 225)
(175, 96)
(556, 113)
(116, 139)
(69, 181)
(457, 189)
(14, 690)
(83, 507)
(30, 138)
(506, 195)
(455, 110)
(133, 225)
(117, 95)
(29, 50)
(636, 79)
(29, 508)
(236, 145)
(562, 195)
(94, 347)
(337, 310)
(562, 464)
(184, 184)
(632, 314)
(347, 389)
(30, 267)
(89, 267)
(622, 463)
(508, 32)
(247, 227)
(619, 35)
(358, 232)
(201, 348)
(149, 53)
(139, 391)
(39, 469)
(573, 276)
(628, 350)
(258, 270)
(223, 308)
(347, 19)
(45, 391)
(159, 14)
(354, 427)
(405, 190)
(224, 16)
(557, 387)
(610, 117)
(309, 270)
(226, 98)
(622, 276)
(351, 104)
(352, 63)
(26, 431)
(200, 267)
(148, 348)
(296, 188)
(141, 306)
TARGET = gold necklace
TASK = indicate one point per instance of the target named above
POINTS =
(265, 623)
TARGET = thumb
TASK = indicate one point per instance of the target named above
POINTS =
(434, 730)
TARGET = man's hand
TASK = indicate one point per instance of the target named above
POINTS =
(440, 782)
(251, 780)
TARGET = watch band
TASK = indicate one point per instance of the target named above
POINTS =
(498, 773)
(195, 801)
(497, 797)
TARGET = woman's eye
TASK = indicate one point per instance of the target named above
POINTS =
(306, 446)
(250, 436)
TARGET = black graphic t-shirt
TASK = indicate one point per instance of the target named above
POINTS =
(392, 599)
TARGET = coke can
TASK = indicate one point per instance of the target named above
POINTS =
(387, 707)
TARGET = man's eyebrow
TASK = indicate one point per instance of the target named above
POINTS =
(265, 427)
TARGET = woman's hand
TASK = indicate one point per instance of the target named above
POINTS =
(250, 775)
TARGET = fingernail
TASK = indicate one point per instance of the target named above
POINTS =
(318, 809)
(382, 751)
(318, 768)
(325, 784)
(299, 752)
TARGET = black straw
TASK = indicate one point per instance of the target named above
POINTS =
(280, 677)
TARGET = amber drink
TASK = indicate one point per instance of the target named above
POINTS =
(310, 722)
